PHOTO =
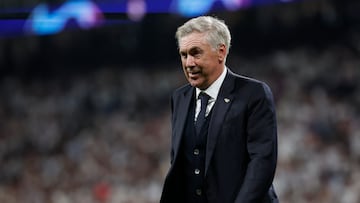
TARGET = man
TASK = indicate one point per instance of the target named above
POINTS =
(224, 147)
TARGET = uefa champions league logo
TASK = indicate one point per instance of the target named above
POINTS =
(42, 21)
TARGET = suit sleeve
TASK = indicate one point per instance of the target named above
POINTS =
(261, 146)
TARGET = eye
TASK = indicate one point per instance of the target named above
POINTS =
(196, 53)
(183, 55)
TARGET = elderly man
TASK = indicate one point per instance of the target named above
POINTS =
(224, 131)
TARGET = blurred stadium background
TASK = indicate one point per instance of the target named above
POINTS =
(84, 107)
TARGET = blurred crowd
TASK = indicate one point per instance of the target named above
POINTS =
(100, 136)
(103, 135)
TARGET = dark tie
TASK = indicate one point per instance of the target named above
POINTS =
(201, 117)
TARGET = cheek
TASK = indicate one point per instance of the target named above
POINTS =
(183, 62)
(184, 71)
(183, 66)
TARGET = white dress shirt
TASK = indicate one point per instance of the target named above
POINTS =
(212, 91)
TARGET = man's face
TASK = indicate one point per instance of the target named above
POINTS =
(202, 64)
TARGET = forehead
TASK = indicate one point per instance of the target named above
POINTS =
(192, 40)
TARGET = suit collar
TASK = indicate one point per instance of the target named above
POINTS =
(184, 105)
(220, 109)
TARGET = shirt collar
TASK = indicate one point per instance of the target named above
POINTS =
(214, 88)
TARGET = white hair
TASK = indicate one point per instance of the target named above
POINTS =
(217, 32)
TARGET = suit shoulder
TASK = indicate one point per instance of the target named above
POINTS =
(181, 90)
(254, 87)
(251, 82)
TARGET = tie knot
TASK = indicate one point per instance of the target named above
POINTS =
(201, 116)
(204, 97)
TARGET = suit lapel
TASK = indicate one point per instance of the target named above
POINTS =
(184, 105)
(220, 109)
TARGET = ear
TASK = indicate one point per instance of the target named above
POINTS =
(222, 52)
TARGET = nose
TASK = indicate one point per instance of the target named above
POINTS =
(190, 61)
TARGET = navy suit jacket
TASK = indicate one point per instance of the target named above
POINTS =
(241, 150)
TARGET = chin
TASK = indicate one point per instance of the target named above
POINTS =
(194, 83)
(199, 86)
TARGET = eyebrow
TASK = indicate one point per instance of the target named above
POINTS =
(191, 50)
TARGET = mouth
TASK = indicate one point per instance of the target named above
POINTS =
(193, 73)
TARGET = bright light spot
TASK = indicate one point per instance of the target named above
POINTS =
(136, 9)
(236, 4)
(190, 8)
